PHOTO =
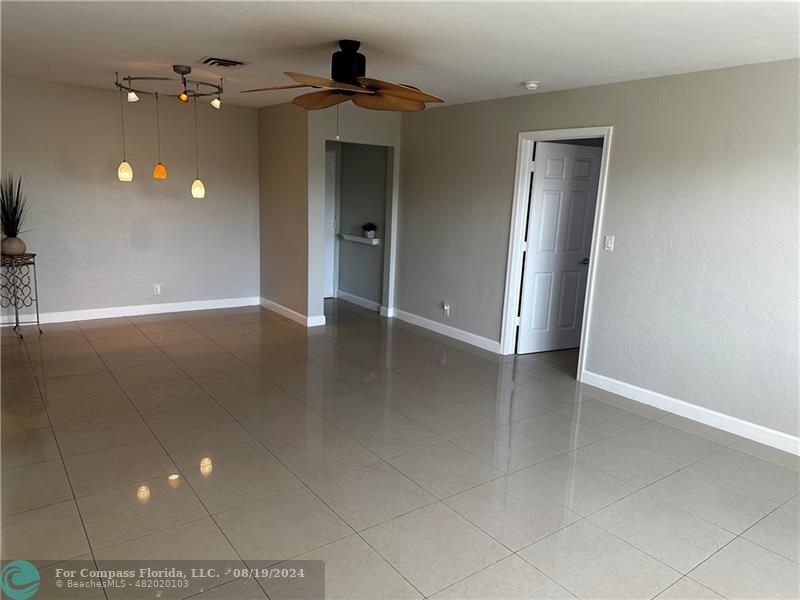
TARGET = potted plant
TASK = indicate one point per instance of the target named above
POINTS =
(369, 230)
(13, 209)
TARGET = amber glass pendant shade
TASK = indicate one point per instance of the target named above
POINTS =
(159, 171)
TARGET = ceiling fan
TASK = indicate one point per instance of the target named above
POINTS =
(349, 82)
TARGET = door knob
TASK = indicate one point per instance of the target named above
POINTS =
(585, 261)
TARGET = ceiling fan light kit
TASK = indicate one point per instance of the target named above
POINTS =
(349, 82)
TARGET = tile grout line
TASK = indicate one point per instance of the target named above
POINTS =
(212, 516)
(158, 440)
(63, 462)
(440, 500)
(333, 375)
(180, 469)
(308, 487)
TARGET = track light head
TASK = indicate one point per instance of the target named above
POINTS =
(132, 97)
(217, 103)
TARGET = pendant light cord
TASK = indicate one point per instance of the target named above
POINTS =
(158, 130)
(338, 104)
(122, 115)
(196, 152)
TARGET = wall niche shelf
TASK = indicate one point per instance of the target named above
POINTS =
(360, 239)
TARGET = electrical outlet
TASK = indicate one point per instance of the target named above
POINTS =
(446, 309)
(156, 289)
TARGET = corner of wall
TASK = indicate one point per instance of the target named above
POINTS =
(283, 216)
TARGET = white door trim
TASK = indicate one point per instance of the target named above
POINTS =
(519, 212)
(392, 212)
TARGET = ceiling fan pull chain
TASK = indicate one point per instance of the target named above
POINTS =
(337, 120)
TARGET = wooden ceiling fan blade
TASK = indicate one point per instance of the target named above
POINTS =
(287, 86)
(397, 89)
(321, 82)
(387, 102)
(322, 99)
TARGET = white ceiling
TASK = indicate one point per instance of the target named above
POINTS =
(460, 51)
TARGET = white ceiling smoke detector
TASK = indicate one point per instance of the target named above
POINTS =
(530, 85)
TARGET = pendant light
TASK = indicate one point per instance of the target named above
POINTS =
(124, 171)
(198, 189)
(159, 171)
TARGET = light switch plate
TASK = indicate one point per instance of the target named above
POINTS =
(608, 243)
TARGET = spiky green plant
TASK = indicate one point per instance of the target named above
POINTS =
(13, 205)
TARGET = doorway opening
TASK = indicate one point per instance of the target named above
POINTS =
(358, 193)
(554, 243)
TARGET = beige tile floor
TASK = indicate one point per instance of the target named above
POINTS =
(413, 466)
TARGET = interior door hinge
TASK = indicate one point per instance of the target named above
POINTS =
(524, 246)
(533, 165)
(517, 321)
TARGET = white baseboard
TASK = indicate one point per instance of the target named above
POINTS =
(745, 429)
(358, 300)
(312, 321)
(387, 311)
(134, 310)
(315, 321)
(449, 331)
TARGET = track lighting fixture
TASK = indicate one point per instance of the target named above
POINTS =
(190, 89)
(135, 85)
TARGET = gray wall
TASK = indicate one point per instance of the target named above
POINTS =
(362, 198)
(283, 157)
(103, 243)
(699, 299)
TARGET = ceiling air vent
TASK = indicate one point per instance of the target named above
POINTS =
(222, 63)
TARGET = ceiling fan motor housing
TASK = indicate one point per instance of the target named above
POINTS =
(348, 64)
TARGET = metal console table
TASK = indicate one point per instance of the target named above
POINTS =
(19, 287)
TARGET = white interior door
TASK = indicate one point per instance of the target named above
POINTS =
(560, 220)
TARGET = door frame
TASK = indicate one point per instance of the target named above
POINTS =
(519, 217)
(389, 238)
(336, 150)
